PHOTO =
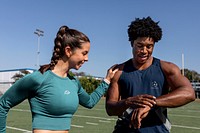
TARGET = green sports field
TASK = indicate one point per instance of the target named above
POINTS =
(185, 119)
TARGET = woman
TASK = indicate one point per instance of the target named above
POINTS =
(53, 94)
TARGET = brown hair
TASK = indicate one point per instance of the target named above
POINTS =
(65, 37)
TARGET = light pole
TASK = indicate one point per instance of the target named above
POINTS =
(39, 33)
(183, 65)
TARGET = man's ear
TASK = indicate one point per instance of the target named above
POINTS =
(68, 51)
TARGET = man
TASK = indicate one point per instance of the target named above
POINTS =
(145, 86)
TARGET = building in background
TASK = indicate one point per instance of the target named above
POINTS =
(6, 79)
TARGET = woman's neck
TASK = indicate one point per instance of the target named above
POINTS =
(61, 69)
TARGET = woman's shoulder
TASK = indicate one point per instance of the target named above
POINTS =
(35, 76)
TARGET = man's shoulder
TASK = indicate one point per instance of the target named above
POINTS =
(169, 67)
(121, 66)
(125, 62)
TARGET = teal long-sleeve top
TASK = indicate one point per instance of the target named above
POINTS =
(53, 100)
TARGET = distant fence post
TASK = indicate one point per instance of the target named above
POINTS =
(196, 87)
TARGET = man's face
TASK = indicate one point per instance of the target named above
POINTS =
(142, 49)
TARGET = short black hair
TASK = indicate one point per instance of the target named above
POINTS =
(144, 27)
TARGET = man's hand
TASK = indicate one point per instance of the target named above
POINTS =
(141, 101)
(138, 115)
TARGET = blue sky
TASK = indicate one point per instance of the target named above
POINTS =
(105, 22)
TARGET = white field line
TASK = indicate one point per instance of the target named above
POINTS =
(77, 126)
(110, 118)
(27, 131)
(90, 123)
(19, 129)
(22, 110)
(197, 128)
(94, 117)
(73, 115)
(104, 121)
(188, 116)
(196, 111)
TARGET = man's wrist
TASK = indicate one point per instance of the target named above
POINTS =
(155, 106)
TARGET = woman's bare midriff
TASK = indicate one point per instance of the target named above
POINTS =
(49, 131)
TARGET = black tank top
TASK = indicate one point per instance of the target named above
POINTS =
(149, 81)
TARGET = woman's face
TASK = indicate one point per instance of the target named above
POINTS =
(79, 56)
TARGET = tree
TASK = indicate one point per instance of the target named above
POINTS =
(19, 75)
(192, 75)
(89, 83)
(79, 74)
(71, 73)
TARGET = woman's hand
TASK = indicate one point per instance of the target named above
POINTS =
(111, 72)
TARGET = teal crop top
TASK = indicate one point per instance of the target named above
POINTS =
(53, 100)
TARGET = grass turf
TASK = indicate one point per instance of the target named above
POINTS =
(184, 119)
